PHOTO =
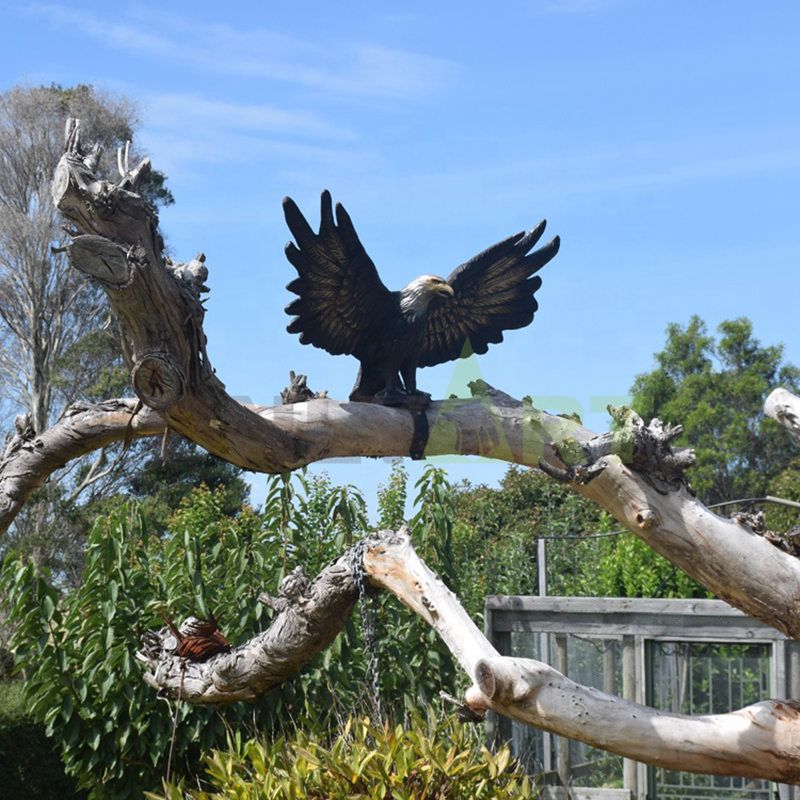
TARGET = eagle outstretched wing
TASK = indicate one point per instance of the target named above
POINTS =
(493, 292)
(340, 293)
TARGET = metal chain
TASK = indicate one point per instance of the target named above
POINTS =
(368, 601)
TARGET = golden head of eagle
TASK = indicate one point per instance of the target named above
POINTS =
(344, 307)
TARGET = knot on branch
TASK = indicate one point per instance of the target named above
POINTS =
(294, 585)
(158, 381)
(297, 391)
(102, 259)
(647, 448)
(479, 388)
(644, 448)
(577, 473)
(755, 521)
(293, 590)
(788, 542)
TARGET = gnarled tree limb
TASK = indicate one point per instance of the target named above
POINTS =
(308, 617)
(634, 473)
(28, 459)
(759, 741)
(161, 316)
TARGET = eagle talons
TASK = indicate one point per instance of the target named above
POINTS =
(390, 397)
(413, 401)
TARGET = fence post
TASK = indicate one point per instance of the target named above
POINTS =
(609, 666)
(562, 744)
(630, 772)
(544, 643)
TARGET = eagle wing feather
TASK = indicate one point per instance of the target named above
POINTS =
(492, 292)
(340, 294)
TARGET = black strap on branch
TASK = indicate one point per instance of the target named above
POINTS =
(419, 441)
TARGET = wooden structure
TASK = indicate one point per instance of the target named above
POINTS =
(637, 625)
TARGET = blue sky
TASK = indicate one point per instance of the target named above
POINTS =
(661, 140)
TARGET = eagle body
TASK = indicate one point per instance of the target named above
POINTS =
(344, 307)
(390, 352)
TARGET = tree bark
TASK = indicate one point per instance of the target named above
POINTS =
(28, 459)
(759, 741)
(308, 617)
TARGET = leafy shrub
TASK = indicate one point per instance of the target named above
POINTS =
(78, 652)
(427, 760)
(495, 533)
(29, 762)
(82, 678)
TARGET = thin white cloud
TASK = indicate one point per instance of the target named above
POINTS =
(170, 109)
(184, 130)
(650, 165)
(366, 69)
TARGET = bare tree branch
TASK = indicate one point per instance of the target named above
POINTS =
(28, 459)
(760, 741)
(309, 617)
(633, 473)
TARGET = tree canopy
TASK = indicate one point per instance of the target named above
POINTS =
(715, 387)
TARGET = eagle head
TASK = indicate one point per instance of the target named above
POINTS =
(417, 295)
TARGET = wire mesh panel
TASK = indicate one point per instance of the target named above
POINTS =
(682, 656)
(592, 662)
(528, 743)
(703, 678)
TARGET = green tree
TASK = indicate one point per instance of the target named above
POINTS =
(161, 484)
(715, 388)
(495, 543)
(786, 485)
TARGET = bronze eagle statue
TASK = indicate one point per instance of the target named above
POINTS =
(344, 307)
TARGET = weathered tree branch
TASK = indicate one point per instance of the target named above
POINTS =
(759, 741)
(784, 407)
(308, 617)
(28, 460)
(161, 316)
(633, 472)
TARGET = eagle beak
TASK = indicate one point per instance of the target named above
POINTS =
(446, 289)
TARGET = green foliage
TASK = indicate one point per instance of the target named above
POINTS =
(392, 499)
(29, 762)
(786, 485)
(161, 484)
(621, 565)
(495, 535)
(414, 665)
(85, 685)
(425, 760)
(78, 652)
(716, 388)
